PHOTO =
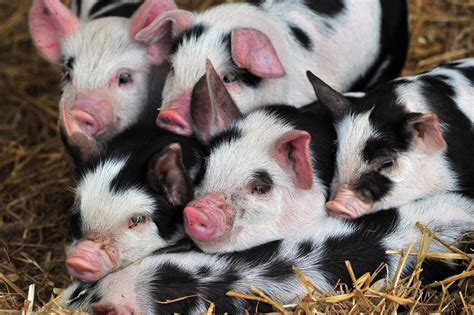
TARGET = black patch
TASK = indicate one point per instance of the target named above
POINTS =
(468, 73)
(204, 271)
(255, 256)
(373, 186)
(262, 181)
(74, 226)
(241, 74)
(118, 10)
(393, 44)
(256, 3)
(301, 37)
(193, 32)
(228, 135)
(363, 248)
(79, 7)
(278, 270)
(329, 8)
(69, 63)
(376, 148)
(305, 248)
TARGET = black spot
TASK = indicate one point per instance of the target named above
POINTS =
(193, 32)
(228, 135)
(305, 248)
(363, 248)
(468, 73)
(301, 37)
(123, 9)
(241, 74)
(376, 148)
(278, 270)
(204, 271)
(328, 8)
(79, 7)
(393, 45)
(262, 182)
(74, 226)
(256, 3)
(77, 298)
(255, 256)
(373, 186)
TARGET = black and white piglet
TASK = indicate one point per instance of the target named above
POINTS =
(129, 200)
(109, 79)
(195, 278)
(262, 50)
(266, 173)
(408, 139)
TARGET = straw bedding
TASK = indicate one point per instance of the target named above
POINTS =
(35, 174)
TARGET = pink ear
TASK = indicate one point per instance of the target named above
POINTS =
(50, 22)
(158, 33)
(292, 150)
(427, 132)
(147, 13)
(253, 50)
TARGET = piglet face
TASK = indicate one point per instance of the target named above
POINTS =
(385, 162)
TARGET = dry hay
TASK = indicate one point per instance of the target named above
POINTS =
(35, 176)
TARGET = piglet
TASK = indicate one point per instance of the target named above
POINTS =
(408, 139)
(265, 172)
(194, 279)
(129, 200)
(262, 49)
(108, 76)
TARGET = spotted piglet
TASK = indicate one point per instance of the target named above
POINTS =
(408, 139)
(262, 49)
(129, 200)
(109, 79)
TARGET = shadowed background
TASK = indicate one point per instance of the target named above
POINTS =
(35, 174)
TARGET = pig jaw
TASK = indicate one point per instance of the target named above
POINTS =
(89, 261)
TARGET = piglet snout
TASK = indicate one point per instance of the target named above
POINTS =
(86, 121)
(89, 261)
(175, 115)
(348, 204)
(208, 218)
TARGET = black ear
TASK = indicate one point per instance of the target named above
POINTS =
(167, 175)
(212, 107)
(330, 98)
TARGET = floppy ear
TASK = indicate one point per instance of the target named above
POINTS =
(167, 174)
(330, 98)
(253, 50)
(292, 151)
(426, 131)
(50, 22)
(212, 107)
(159, 32)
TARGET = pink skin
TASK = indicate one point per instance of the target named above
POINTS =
(208, 218)
(89, 261)
(110, 309)
(347, 204)
(91, 114)
(175, 115)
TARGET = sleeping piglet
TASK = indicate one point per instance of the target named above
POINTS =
(129, 200)
(408, 139)
(267, 174)
(109, 81)
(262, 49)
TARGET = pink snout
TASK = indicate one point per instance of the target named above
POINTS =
(89, 262)
(348, 204)
(209, 218)
(110, 309)
(175, 116)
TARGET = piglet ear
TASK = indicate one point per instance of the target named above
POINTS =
(426, 131)
(330, 98)
(158, 33)
(212, 107)
(292, 151)
(167, 174)
(253, 50)
(50, 22)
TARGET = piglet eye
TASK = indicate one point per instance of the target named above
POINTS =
(262, 182)
(124, 78)
(136, 220)
(387, 163)
(229, 78)
(261, 189)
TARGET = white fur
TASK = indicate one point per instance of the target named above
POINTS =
(341, 53)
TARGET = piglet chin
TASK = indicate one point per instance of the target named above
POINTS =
(348, 205)
(203, 225)
(109, 309)
(88, 262)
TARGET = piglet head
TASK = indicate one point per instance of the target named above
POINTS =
(113, 226)
(107, 77)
